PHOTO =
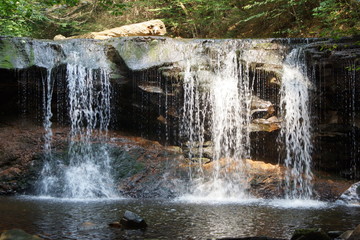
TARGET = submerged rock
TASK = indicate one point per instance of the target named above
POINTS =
(334, 234)
(310, 234)
(252, 238)
(18, 234)
(115, 225)
(131, 220)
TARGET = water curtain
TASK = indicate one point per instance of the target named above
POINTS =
(85, 170)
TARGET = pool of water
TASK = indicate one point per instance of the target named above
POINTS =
(171, 219)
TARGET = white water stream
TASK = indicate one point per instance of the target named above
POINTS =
(84, 171)
(217, 117)
(217, 108)
(296, 127)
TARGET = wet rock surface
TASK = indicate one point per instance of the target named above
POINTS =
(19, 157)
(351, 195)
(355, 234)
(142, 168)
(145, 168)
(336, 105)
(131, 220)
(252, 238)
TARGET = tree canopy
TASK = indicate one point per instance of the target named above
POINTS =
(184, 18)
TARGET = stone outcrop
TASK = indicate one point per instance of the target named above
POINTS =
(351, 195)
(18, 234)
(149, 28)
(147, 75)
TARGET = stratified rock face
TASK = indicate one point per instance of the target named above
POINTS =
(147, 81)
(334, 68)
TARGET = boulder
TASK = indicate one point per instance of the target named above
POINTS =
(131, 220)
(352, 195)
(310, 234)
(18, 234)
(345, 235)
(355, 234)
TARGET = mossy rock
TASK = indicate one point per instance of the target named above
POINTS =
(310, 234)
(18, 234)
(125, 163)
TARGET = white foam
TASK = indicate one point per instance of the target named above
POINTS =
(213, 199)
(297, 203)
(57, 199)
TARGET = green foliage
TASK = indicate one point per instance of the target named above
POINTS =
(329, 47)
(17, 17)
(193, 18)
(338, 17)
(185, 18)
(353, 68)
(114, 8)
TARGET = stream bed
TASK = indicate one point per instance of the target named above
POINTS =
(52, 218)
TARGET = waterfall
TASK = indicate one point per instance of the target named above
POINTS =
(216, 116)
(296, 126)
(85, 171)
(224, 99)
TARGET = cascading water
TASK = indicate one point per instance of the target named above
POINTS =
(85, 171)
(296, 127)
(217, 108)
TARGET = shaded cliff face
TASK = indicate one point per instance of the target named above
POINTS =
(334, 68)
(147, 83)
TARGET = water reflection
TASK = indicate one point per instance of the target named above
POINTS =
(58, 219)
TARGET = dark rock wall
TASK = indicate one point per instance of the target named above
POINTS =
(334, 69)
(149, 105)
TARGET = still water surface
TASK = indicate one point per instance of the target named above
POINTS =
(65, 219)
